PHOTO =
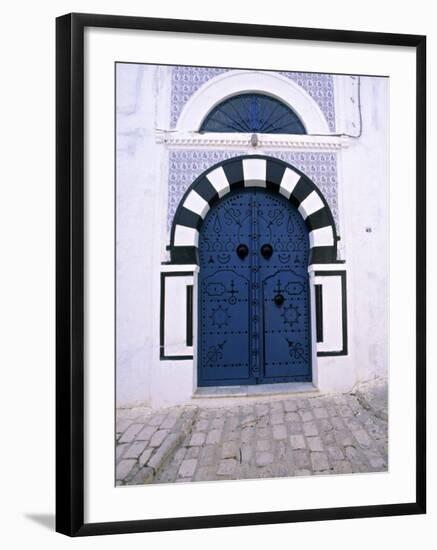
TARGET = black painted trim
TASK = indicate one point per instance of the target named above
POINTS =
(319, 312)
(301, 191)
(184, 255)
(188, 218)
(162, 356)
(274, 175)
(323, 255)
(206, 190)
(234, 172)
(70, 267)
(189, 330)
(318, 220)
(344, 349)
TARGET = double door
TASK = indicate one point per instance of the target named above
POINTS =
(254, 308)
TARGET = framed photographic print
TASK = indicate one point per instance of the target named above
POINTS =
(240, 274)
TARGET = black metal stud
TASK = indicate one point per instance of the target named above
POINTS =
(242, 251)
(267, 251)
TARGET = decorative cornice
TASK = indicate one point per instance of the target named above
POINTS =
(176, 139)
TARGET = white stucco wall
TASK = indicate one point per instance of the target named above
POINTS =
(143, 108)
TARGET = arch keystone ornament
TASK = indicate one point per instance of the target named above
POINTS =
(258, 171)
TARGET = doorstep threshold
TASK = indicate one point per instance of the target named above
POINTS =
(287, 388)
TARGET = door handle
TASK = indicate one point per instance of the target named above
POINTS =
(242, 251)
(279, 299)
(267, 251)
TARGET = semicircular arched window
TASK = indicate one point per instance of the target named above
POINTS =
(253, 113)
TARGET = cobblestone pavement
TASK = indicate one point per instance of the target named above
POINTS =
(270, 437)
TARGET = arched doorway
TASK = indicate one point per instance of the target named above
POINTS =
(253, 291)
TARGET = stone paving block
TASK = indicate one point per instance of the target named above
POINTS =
(321, 412)
(279, 431)
(345, 411)
(193, 452)
(297, 442)
(207, 455)
(187, 467)
(232, 424)
(319, 461)
(170, 422)
(146, 433)
(129, 435)
(197, 439)
(218, 423)
(245, 453)
(362, 437)
(342, 467)
(262, 432)
(292, 417)
(315, 443)
(247, 409)
(324, 425)
(213, 437)
(344, 438)
(231, 436)
(301, 459)
(375, 459)
(295, 427)
(179, 455)
(335, 452)
(310, 428)
(158, 438)
(276, 407)
(143, 476)
(247, 434)
(205, 473)
(353, 455)
(123, 468)
(145, 455)
(262, 409)
(290, 406)
(302, 472)
(328, 438)
(305, 415)
(135, 449)
(264, 458)
(229, 449)
(227, 467)
(277, 418)
(164, 451)
(201, 425)
(120, 450)
(122, 424)
(156, 420)
(263, 445)
(337, 423)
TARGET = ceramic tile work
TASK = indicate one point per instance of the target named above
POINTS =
(187, 80)
(186, 164)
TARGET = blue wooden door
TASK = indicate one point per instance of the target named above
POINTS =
(254, 321)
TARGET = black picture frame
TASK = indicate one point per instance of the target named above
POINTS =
(70, 273)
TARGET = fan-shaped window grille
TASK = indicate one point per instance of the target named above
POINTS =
(253, 113)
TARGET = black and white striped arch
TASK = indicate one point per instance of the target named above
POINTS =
(253, 171)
